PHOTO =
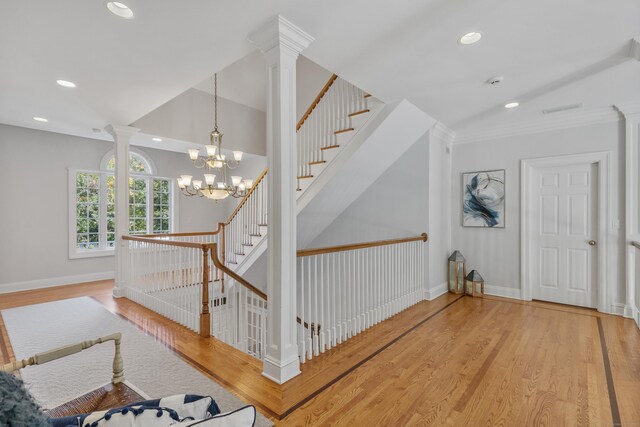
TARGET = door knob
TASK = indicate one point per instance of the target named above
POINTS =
(592, 242)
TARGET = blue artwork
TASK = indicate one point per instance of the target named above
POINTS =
(483, 199)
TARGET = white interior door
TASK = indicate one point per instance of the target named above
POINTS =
(564, 234)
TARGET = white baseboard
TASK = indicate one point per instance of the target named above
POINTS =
(617, 308)
(54, 281)
(501, 291)
(435, 292)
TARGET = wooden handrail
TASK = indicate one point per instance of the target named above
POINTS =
(636, 244)
(220, 266)
(194, 245)
(331, 249)
(244, 199)
(316, 101)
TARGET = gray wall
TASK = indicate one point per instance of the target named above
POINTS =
(495, 253)
(34, 215)
(394, 206)
(189, 117)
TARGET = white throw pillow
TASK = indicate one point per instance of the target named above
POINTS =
(243, 417)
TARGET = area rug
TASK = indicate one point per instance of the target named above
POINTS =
(148, 365)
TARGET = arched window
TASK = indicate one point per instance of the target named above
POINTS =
(138, 162)
(92, 211)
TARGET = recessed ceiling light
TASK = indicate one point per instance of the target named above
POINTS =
(470, 38)
(40, 119)
(512, 105)
(66, 83)
(157, 139)
(120, 9)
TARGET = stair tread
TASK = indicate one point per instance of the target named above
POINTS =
(247, 244)
(238, 253)
(359, 112)
(330, 147)
(343, 131)
(262, 225)
(255, 235)
(319, 162)
(305, 176)
(367, 95)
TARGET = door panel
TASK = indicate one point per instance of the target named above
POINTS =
(564, 220)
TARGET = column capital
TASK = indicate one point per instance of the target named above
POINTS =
(629, 109)
(279, 32)
(120, 130)
(441, 131)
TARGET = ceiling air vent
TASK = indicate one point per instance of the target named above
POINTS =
(561, 108)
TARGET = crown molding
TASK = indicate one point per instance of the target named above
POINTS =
(558, 121)
(634, 50)
(280, 32)
(441, 131)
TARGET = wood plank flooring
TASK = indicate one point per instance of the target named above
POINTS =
(453, 361)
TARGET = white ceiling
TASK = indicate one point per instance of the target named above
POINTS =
(550, 52)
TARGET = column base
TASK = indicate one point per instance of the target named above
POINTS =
(281, 372)
(118, 292)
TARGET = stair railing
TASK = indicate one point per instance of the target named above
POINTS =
(347, 289)
(245, 222)
(172, 278)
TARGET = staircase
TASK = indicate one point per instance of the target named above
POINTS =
(200, 280)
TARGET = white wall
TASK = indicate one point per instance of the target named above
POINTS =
(34, 213)
(495, 253)
(394, 206)
(189, 117)
(311, 78)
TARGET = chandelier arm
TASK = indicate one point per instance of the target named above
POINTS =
(200, 162)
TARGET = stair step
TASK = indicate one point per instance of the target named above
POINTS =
(298, 189)
(262, 225)
(342, 131)
(318, 162)
(368, 95)
(330, 147)
(238, 253)
(359, 112)
(255, 235)
(232, 262)
(305, 176)
(247, 244)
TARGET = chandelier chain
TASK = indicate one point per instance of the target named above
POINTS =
(215, 101)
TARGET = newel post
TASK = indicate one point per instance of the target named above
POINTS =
(205, 314)
(281, 42)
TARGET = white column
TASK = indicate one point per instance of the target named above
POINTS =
(281, 42)
(122, 138)
(631, 112)
(439, 216)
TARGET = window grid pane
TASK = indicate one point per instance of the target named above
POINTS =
(161, 206)
(87, 211)
(137, 206)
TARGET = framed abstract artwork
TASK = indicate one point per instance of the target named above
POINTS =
(483, 199)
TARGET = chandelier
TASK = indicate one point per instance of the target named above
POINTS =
(216, 185)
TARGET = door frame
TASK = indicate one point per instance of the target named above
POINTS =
(602, 162)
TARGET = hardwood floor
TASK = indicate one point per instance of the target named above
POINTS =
(452, 361)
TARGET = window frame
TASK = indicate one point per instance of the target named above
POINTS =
(104, 250)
